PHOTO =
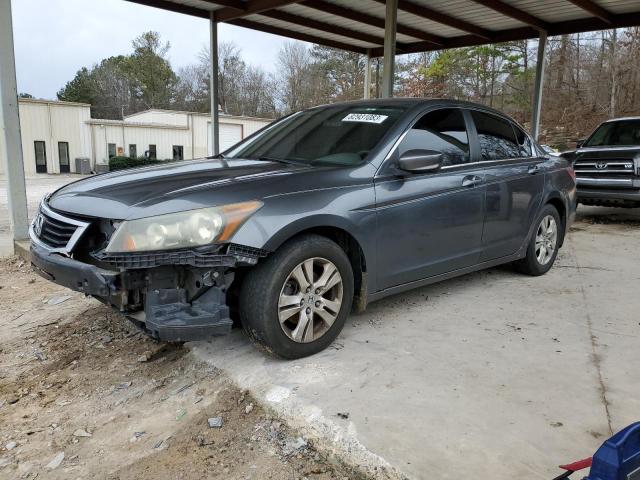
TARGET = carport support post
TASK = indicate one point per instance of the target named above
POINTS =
(390, 29)
(213, 84)
(539, 81)
(11, 141)
(367, 77)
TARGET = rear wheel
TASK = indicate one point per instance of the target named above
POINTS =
(543, 246)
(296, 302)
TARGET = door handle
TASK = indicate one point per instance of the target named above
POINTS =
(471, 181)
(533, 169)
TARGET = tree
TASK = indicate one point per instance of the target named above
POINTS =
(152, 79)
(126, 83)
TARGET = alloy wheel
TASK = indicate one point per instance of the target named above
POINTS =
(310, 300)
(546, 239)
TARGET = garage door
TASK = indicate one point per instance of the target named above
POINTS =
(229, 135)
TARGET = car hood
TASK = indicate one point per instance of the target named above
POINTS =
(175, 187)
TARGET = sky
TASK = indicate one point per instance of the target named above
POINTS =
(55, 38)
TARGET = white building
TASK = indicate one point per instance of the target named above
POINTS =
(55, 133)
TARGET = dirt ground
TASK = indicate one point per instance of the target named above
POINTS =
(84, 395)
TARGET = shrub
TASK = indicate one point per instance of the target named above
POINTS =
(121, 163)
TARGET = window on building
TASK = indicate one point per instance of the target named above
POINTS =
(151, 153)
(41, 156)
(443, 131)
(63, 157)
(496, 136)
(111, 150)
(133, 150)
(178, 152)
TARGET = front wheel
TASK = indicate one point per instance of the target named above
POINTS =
(296, 302)
(543, 246)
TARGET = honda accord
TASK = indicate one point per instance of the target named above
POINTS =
(314, 216)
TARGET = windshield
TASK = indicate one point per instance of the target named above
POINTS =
(334, 135)
(622, 133)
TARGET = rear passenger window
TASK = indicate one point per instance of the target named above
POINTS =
(496, 136)
(442, 131)
(523, 142)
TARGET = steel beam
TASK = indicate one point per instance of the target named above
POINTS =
(539, 83)
(10, 128)
(594, 9)
(213, 84)
(390, 30)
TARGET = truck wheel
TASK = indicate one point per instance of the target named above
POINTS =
(543, 246)
(296, 302)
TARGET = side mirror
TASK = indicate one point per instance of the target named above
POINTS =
(580, 142)
(420, 161)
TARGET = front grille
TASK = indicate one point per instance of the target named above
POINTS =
(604, 167)
(55, 232)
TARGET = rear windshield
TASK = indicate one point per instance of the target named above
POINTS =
(334, 135)
(623, 133)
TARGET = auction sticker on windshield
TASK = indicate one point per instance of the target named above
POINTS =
(365, 118)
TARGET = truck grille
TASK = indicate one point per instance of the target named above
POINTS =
(56, 232)
(604, 167)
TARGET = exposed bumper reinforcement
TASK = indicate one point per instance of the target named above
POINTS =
(171, 318)
(72, 274)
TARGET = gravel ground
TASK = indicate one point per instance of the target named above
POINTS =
(83, 394)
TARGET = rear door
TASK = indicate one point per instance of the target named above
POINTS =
(514, 182)
(429, 223)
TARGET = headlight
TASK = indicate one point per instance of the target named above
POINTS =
(181, 230)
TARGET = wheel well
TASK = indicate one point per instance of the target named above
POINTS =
(560, 207)
(354, 252)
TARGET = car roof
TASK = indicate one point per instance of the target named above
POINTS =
(413, 102)
(621, 119)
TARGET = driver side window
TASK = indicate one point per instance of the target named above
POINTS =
(443, 131)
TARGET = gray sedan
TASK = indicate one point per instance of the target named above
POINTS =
(312, 217)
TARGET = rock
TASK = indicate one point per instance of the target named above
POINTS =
(55, 461)
(198, 399)
(215, 422)
(13, 399)
(40, 355)
(248, 409)
(57, 300)
(136, 436)
(11, 445)
(146, 356)
(81, 432)
(106, 339)
(293, 445)
(180, 413)
(343, 415)
(4, 461)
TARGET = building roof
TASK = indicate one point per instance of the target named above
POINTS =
(52, 102)
(423, 25)
(185, 112)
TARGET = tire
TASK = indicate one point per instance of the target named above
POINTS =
(531, 264)
(268, 290)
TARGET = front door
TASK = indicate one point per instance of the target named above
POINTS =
(430, 223)
(63, 157)
(41, 156)
(514, 181)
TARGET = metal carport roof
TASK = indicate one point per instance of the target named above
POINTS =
(422, 25)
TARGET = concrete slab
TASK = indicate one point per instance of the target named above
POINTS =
(492, 375)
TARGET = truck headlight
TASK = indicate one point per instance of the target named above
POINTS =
(192, 228)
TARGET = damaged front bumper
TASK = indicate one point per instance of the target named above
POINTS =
(173, 296)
